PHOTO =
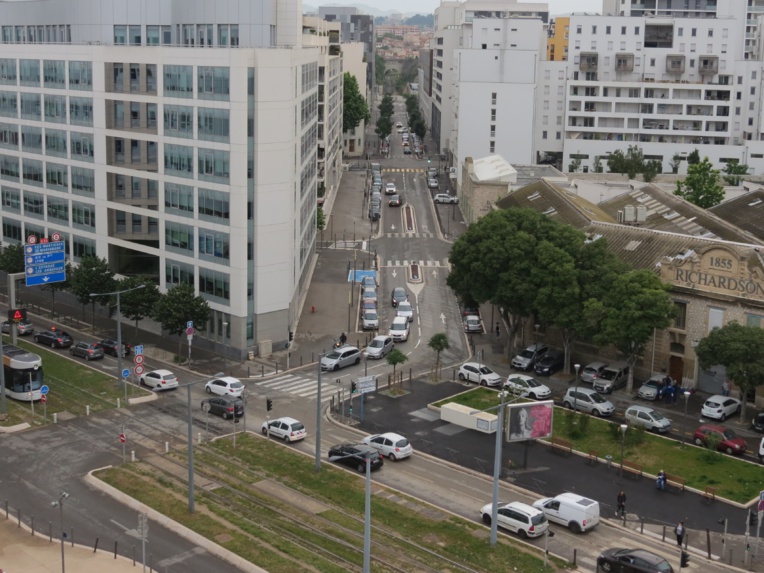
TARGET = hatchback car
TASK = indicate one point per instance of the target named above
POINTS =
(86, 350)
(445, 198)
(652, 389)
(612, 377)
(720, 407)
(473, 323)
(374, 211)
(369, 320)
(405, 310)
(527, 387)
(550, 363)
(518, 517)
(729, 441)
(432, 183)
(398, 295)
(159, 379)
(527, 359)
(340, 357)
(55, 338)
(288, 429)
(355, 456)
(647, 418)
(368, 304)
(395, 201)
(632, 561)
(588, 400)
(390, 189)
(379, 347)
(479, 373)
(225, 386)
(22, 328)
(390, 445)
(225, 406)
(110, 346)
(592, 371)
(369, 293)
(368, 281)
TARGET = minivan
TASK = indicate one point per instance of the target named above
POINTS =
(339, 358)
(577, 513)
(587, 400)
(399, 329)
(527, 359)
(612, 377)
(517, 516)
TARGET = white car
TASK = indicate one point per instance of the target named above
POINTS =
(399, 329)
(519, 517)
(445, 198)
(390, 189)
(479, 373)
(379, 346)
(225, 386)
(288, 429)
(405, 309)
(390, 445)
(527, 387)
(399, 124)
(370, 320)
(720, 407)
(160, 379)
(432, 183)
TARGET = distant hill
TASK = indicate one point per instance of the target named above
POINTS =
(425, 21)
(364, 8)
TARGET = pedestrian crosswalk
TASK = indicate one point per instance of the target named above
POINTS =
(421, 263)
(402, 170)
(410, 235)
(304, 386)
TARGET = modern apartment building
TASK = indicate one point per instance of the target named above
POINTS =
(173, 140)
(557, 43)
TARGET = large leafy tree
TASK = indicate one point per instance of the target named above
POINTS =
(92, 275)
(384, 127)
(628, 313)
(379, 69)
(386, 107)
(138, 304)
(64, 285)
(733, 172)
(179, 305)
(354, 109)
(633, 162)
(395, 357)
(701, 186)
(12, 259)
(740, 349)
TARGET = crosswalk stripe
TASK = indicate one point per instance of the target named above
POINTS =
(422, 263)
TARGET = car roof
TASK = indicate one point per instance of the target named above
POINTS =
(640, 408)
(519, 377)
(647, 555)
(715, 427)
(536, 346)
(523, 507)
(287, 420)
(161, 372)
(399, 319)
(391, 435)
(381, 337)
(227, 379)
(595, 365)
(472, 317)
(720, 398)
(477, 365)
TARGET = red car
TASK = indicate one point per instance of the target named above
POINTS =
(729, 441)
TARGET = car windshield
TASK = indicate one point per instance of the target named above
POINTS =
(712, 404)
(533, 383)
(597, 398)
(526, 354)
(404, 307)
(399, 293)
(370, 316)
(376, 343)
(588, 370)
(729, 435)
(485, 370)
(652, 384)
(333, 355)
(398, 326)
(236, 385)
(663, 566)
(538, 519)
(657, 416)
(608, 374)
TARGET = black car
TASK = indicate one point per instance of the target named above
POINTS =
(758, 422)
(87, 350)
(354, 456)
(55, 338)
(398, 295)
(110, 345)
(226, 406)
(550, 363)
(632, 561)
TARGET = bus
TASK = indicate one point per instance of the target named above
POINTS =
(23, 373)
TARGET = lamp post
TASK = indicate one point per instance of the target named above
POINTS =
(120, 350)
(318, 416)
(496, 466)
(624, 427)
(60, 505)
(191, 443)
(536, 328)
(686, 402)
(575, 393)
(225, 346)
(367, 519)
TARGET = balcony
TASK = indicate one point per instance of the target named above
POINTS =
(708, 64)
(624, 62)
(675, 64)
(589, 61)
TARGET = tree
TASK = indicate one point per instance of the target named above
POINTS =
(420, 128)
(626, 316)
(693, 157)
(597, 166)
(740, 349)
(12, 259)
(386, 107)
(438, 342)
(674, 163)
(651, 169)
(138, 304)
(701, 186)
(179, 305)
(733, 171)
(632, 162)
(92, 275)
(379, 69)
(395, 357)
(575, 165)
(354, 109)
(64, 285)
(384, 127)
(320, 219)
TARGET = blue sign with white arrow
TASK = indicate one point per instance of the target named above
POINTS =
(45, 263)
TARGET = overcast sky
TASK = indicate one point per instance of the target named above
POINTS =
(428, 6)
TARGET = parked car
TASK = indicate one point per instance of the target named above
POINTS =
(527, 387)
(445, 198)
(370, 320)
(379, 346)
(22, 328)
(592, 371)
(225, 406)
(577, 513)
(355, 456)
(369, 293)
(527, 359)
(432, 172)
(159, 379)
(432, 183)
(757, 424)
(110, 345)
(368, 281)
(720, 407)
(612, 377)
(86, 350)
(225, 386)
(368, 304)
(479, 373)
(390, 445)
(390, 188)
(632, 561)
(406, 149)
(406, 310)
(374, 212)
(339, 358)
(652, 389)
(729, 441)
(473, 323)
(550, 363)
(648, 418)
(398, 295)
(588, 400)
(399, 329)
(470, 309)
(395, 201)
(288, 429)
(761, 451)
(55, 338)
(518, 517)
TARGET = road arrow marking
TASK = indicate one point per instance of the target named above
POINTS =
(434, 273)
(392, 227)
(394, 273)
(443, 318)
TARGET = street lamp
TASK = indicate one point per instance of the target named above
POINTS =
(624, 427)
(191, 443)
(225, 346)
(60, 505)
(575, 393)
(686, 402)
(496, 466)
(120, 350)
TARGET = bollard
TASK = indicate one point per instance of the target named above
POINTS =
(277, 367)
(453, 376)
(50, 531)
(409, 376)
(729, 556)
(641, 525)
(312, 356)
(199, 438)
(300, 359)
(167, 447)
(575, 554)
(115, 550)
(663, 537)
(262, 370)
(133, 555)
(248, 376)
(72, 536)
(132, 455)
(6, 509)
(55, 418)
(87, 408)
(95, 547)
(19, 514)
(32, 527)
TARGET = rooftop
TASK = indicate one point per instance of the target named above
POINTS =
(494, 167)
(745, 211)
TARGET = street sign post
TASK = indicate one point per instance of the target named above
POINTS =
(365, 385)
(44, 389)
(139, 369)
(44, 263)
(125, 373)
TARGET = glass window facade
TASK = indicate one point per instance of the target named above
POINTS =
(179, 81)
(214, 124)
(134, 35)
(214, 285)
(214, 204)
(213, 82)
(214, 165)
(31, 139)
(58, 209)
(120, 35)
(11, 230)
(34, 204)
(81, 111)
(81, 146)
(8, 72)
(11, 199)
(55, 142)
(179, 199)
(9, 168)
(179, 160)
(81, 76)
(9, 136)
(177, 273)
(55, 108)
(29, 71)
(179, 237)
(83, 181)
(152, 35)
(83, 215)
(213, 245)
(83, 247)
(54, 74)
(31, 107)
(179, 121)
(9, 104)
(56, 177)
(33, 174)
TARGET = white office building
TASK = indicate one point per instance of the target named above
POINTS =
(175, 138)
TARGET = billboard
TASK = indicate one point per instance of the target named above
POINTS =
(529, 421)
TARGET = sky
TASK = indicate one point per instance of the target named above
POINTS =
(428, 6)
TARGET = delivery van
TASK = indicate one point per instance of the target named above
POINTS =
(577, 513)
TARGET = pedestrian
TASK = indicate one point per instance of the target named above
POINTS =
(679, 530)
(498, 330)
(621, 508)
(726, 388)
(343, 339)
(660, 483)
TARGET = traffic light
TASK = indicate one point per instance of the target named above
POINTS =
(291, 335)
(268, 404)
(753, 518)
(428, 160)
(353, 387)
(685, 561)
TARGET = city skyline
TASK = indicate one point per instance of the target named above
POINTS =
(428, 6)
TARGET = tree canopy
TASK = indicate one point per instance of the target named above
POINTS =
(178, 306)
(633, 162)
(354, 108)
(701, 186)
(138, 304)
(733, 172)
(12, 259)
(92, 275)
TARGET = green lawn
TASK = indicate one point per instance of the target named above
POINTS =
(733, 478)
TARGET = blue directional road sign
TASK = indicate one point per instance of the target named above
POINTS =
(45, 263)
(126, 373)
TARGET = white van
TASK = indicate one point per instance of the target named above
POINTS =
(578, 513)
(399, 329)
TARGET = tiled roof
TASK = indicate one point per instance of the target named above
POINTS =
(745, 211)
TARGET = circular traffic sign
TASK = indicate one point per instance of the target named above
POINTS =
(125, 373)
(122, 438)
(44, 389)
(138, 358)
(190, 331)
(43, 398)
(139, 369)
(206, 407)
(31, 239)
(56, 236)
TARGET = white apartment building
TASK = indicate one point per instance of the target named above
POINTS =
(176, 141)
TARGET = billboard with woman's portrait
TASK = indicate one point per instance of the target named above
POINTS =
(529, 421)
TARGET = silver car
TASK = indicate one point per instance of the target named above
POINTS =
(406, 310)
(379, 347)
(648, 418)
(587, 400)
(651, 390)
(592, 371)
(370, 320)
